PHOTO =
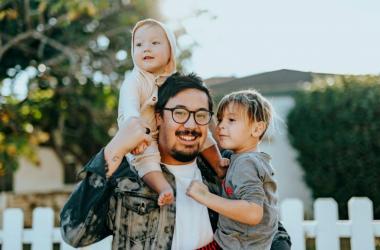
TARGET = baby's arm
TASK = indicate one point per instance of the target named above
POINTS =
(129, 99)
(238, 210)
(129, 105)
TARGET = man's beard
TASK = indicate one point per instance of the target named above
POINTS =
(184, 156)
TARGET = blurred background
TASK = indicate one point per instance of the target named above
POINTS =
(62, 63)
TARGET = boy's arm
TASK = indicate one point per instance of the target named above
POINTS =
(238, 210)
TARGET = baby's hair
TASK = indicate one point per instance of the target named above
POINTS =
(254, 106)
(146, 23)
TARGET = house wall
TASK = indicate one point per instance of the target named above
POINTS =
(44, 178)
(288, 171)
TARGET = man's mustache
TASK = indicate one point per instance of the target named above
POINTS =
(188, 132)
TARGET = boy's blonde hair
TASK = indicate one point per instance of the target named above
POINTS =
(253, 106)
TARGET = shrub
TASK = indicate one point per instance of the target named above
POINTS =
(335, 127)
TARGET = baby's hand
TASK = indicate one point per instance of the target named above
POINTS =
(198, 191)
(140, 148)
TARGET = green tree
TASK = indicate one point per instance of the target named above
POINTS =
(336, 130)
(61, 66)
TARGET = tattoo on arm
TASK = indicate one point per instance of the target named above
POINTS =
(115, 159)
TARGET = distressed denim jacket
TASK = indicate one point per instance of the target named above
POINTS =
(122, 206)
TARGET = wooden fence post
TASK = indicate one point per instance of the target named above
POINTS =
(13, 226)
(292, 217)
(360, 211)
(326, 215)
(43, 223)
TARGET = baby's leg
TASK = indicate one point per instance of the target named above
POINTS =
(158, 183)
(148, 167)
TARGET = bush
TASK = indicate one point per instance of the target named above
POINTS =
(335, 127)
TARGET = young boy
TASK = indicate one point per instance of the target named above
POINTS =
(248, 206)
(153, 54)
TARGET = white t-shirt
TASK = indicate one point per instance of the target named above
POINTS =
(192, 227)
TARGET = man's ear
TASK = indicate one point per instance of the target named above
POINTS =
(158, 119)
(258, 128)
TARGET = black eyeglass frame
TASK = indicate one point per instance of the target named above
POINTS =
(189, 114)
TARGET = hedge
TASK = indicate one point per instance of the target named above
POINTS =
(335, 127)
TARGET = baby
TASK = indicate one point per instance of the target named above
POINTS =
(153, 54)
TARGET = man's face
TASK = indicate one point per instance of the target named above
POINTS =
(181, 143)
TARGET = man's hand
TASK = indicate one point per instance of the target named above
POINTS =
(198, 191)
(223, 166)
(140, 148)
(130, 135)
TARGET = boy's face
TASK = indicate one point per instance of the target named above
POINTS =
(234, 130)
(151, 49)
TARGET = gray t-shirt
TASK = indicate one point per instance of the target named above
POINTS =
(250, 178)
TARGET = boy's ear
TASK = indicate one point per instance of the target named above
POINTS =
(258, 129)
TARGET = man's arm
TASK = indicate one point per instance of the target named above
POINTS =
(281, 239)
(238, 210)
(131, 133)
(84, 216)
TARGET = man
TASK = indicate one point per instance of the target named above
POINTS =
(113, 200)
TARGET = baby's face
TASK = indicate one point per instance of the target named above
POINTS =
(151, 49)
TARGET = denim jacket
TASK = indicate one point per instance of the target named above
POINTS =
(125, 207)
(122, 206)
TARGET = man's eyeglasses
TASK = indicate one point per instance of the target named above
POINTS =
(182, 115)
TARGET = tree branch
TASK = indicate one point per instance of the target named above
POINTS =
(15, 41)
(27, 14)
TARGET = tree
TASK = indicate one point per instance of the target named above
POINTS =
(61, 65)
(336, 130)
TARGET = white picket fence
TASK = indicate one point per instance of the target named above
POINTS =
(326, 228)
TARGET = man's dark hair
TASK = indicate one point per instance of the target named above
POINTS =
(177, 83)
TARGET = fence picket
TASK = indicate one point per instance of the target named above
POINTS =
(43, 223)
(326, 215)
(292, 217)
(326, 228)
(13, 225)
(360, 211)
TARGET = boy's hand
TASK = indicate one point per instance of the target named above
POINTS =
(198, 191)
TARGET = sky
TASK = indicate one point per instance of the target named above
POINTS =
(245, 37)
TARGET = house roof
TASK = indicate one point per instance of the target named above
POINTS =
(217, 80)
(270, 83)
